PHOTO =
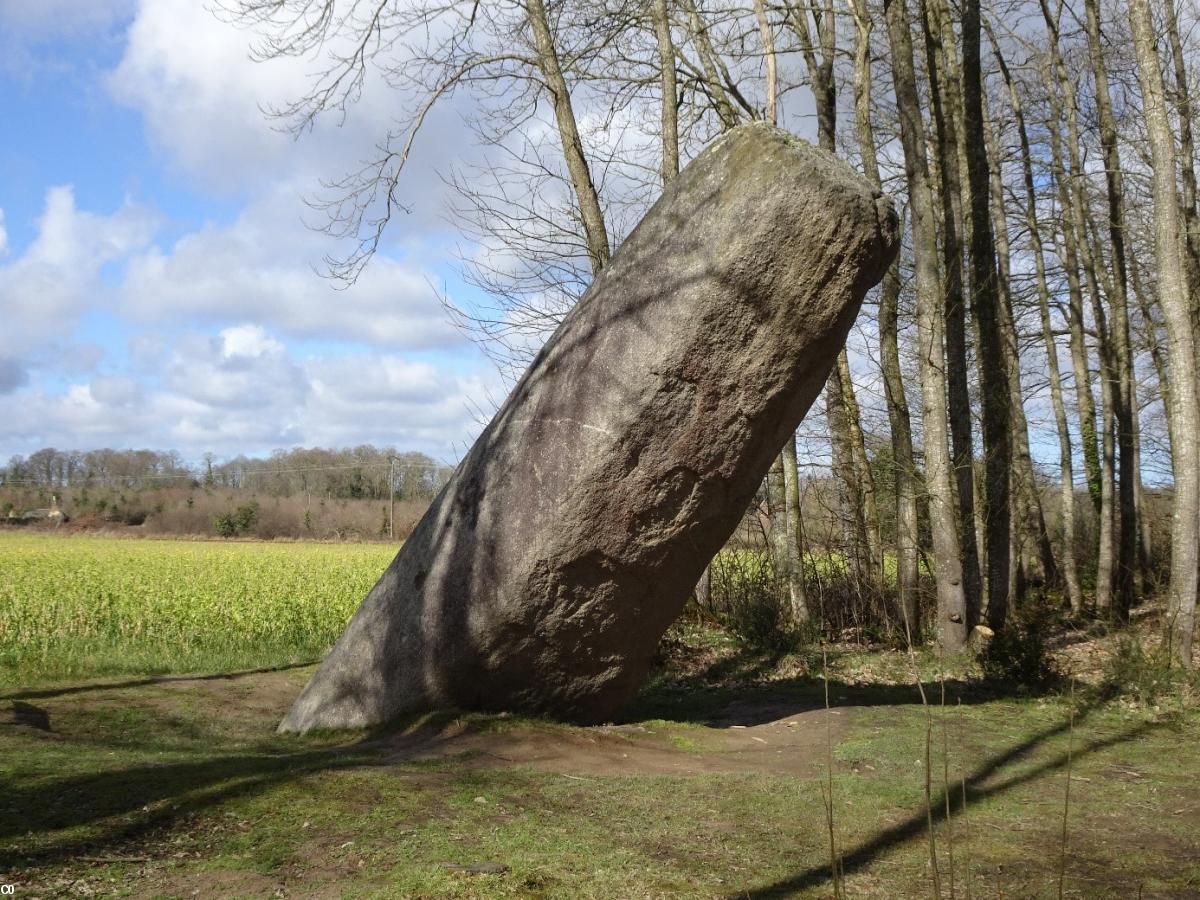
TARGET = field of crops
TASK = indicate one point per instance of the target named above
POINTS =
(82, 606)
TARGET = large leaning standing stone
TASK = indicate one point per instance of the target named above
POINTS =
(543, 576)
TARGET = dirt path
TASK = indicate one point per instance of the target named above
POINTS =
(754, 736)
(786, 741)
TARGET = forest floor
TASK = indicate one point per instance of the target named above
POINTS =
(713, 785)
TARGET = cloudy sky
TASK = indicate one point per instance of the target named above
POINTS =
(158, 283)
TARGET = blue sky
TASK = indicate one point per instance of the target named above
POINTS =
(157, 283)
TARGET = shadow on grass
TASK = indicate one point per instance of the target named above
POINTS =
(740, 690)
(117, 808)
(49, 820)
(129, 804)
(977, 789)
(47, 693)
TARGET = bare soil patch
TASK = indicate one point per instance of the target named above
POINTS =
(785, 741)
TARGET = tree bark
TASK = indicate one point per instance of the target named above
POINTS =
(1028, 534)
(1176, 305)
(904, 474)
(851, 464)
(1079, 256)
(951, 615)
(586, 198)
(1129, 477)
(768, 41)
(1067, 563)
(670, 91)
(797, 590)
(996, 412)
(942, 69)
(1187, 152)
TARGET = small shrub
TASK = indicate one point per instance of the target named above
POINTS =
(224, 525)
(746, 590)
(1020, 653)
(245, 516)
(1141, 675)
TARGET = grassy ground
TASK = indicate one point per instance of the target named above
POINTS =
(176, 785)
(169, 787)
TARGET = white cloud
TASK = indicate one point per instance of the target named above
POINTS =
(245, 391)
(207, 321)
(204, 98)
(243, 368)
(45, 290)
(261, 267)
(191, 77)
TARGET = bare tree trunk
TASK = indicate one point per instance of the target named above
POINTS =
(851, 464)
(862, 469)
(586, 198)
(1187, 150)
(1029, 531)
(904, 476)
(670, 91)
(1155, 347)
(851, 505)
(1105, 559)
(1085, 402)
(1068, 566)
(797, 591)
(942, 69)
(781, 550)
(951, 617)
(1106, 556)
(1176, 305)
(1127, 547)
(985, 303)
(768, 42)
(1077, 244)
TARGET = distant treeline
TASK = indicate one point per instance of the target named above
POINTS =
(352, 473)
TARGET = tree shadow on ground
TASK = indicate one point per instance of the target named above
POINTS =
(57, 819)
(974, 789)
(740, 690)
(163, 794)
(49, 693)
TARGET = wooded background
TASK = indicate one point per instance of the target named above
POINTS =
(1017, 408)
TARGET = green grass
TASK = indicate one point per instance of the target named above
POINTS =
(748, 563)
(162, 789)
(82, 606)
(154, 786)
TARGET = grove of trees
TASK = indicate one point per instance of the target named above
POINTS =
(1037, 335)
(353, 492)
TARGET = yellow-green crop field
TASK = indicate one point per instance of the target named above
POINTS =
(82, 606)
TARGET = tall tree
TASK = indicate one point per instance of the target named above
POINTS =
(904, 467)
(945, 102)
(1127, 547)
(1068, 565)
(852, 467)
(1081, 257)
(669, 104)
(1028, 535)
(1176, 304)
(985, 301)
(951, 606)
